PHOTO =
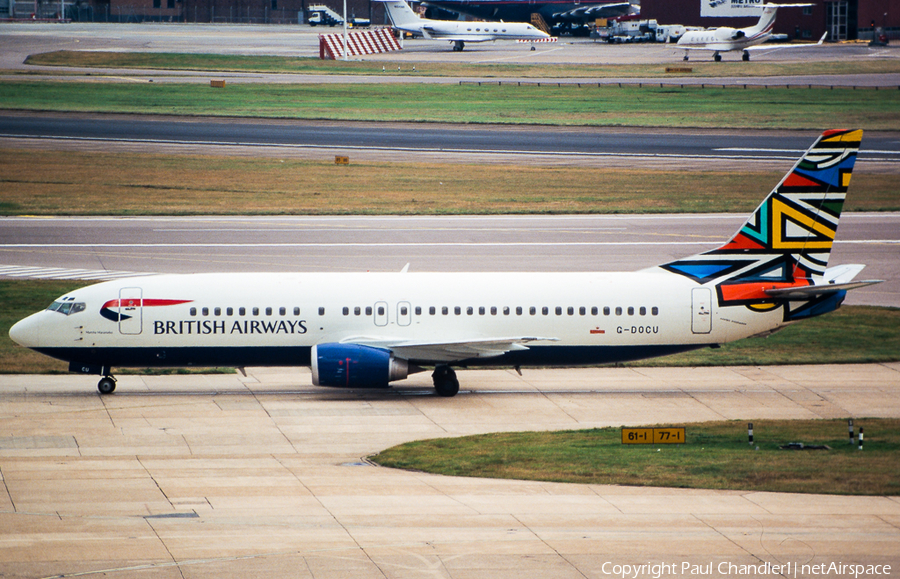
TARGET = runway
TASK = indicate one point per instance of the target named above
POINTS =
(455, 243)
(265, 477)
(596, 144)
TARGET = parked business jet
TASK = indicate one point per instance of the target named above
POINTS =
(459, 32)
(365, 330)
(726, 39)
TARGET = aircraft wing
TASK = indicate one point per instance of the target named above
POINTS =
(448, 351)
(783, 46)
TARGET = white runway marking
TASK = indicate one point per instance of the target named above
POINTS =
(25, 272)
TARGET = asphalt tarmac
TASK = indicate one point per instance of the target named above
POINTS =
(265, 476)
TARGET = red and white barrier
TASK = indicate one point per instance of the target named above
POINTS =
(536, 40)
(358, 43)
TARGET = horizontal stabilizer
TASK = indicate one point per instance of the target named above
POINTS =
(806, 292)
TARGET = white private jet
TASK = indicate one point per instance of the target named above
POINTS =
(459, 32)
(365, 330)
(726, 39)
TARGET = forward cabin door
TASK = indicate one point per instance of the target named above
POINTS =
(131, 311)
(701, 310)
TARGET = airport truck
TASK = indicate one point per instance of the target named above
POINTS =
(319, 14)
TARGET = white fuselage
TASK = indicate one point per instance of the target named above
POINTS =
(473, 31)
(427, 318)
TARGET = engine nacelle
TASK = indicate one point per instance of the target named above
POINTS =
(355, 366)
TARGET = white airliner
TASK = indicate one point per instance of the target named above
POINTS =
(365, 330)
(726, 39)
(459, 32)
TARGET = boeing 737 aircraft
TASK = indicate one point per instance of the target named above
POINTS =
(726, 39)
(459, 32)
(365, 330)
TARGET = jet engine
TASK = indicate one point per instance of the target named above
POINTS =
(355, 366)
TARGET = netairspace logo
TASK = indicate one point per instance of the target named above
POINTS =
(727, 569)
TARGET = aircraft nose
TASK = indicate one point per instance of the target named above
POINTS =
(26, 332)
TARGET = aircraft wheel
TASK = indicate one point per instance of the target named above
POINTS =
(717, 57)
(106, 385)
(685, 58)
(445, 382)
(746, 56)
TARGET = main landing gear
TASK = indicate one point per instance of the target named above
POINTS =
(445, 382)
(106, 385)
(458, 45)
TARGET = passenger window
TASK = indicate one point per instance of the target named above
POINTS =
(606, 311)
(346, 311)
(545, 310)
(470, 311)
(217, 311)
(229, 311)
(255, 311)
(242, 311)
(444, 310)
(532, 310)
(268, 311)
(654, 310)
(432, 310)
(368, 310)
(594, 311)
(357, 311)
(643, 311)
(205, 311)
(282, 311)
(618, 311)
(403, 311)
(321, 311)
(582, 311)
(296, 311)
(457, 310)
(380, 310)
(193, 311)
(518, 310)
(630, 311)
(558, 311)
(418, 311)
(570, 310)
(481, 310)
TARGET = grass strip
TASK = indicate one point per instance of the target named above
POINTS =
(821, 340)
(373, 66)
(782, 108)
(86, 183)
(715, 456)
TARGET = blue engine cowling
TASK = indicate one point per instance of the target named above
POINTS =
(355, 366)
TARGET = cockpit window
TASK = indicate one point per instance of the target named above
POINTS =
(66, 308)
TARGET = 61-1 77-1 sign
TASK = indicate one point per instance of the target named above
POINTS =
(653, 435)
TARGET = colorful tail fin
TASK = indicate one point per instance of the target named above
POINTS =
(788, 238)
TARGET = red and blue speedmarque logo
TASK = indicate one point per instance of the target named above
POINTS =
(112, 310)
